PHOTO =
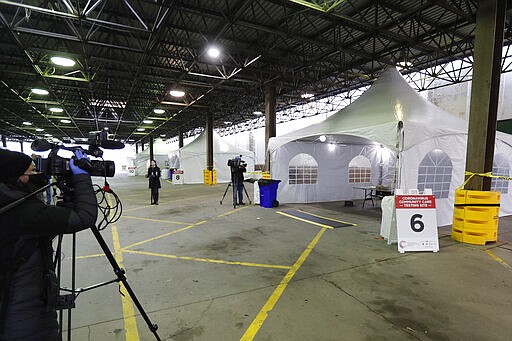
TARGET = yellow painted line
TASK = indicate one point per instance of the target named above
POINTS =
(305, 220)
(498, 259)
(155, 220)
(255, 326)
(164, 235)
(130, 323)
(233, 211)
(331, 219)
(136, 208)
(209, 260)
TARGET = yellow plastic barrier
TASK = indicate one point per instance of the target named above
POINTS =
(475, 216)
(210, 177)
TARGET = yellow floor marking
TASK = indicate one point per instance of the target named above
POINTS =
(305, 220)
(232, 211)
(209, 260)
(255, 326)
(164, 235)
(498, 259)
(155, 220)
(136, 208)
(130, 323)
(331, 219)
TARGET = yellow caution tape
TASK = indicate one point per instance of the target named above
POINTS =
(470, 175)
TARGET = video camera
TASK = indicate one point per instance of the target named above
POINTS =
(236, 162)
(59, 166)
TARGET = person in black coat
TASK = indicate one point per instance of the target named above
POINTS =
(154, 181)
(27, 277)
(238, 168)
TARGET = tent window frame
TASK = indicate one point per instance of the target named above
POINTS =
(435, 171)
(500, 167)
(358, 174)
(304, 173)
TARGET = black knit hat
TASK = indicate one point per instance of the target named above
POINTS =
(12, 164)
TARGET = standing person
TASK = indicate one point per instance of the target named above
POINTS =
(28, 284)
(238, 168)
(154, 181)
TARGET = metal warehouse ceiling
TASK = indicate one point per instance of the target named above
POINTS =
(130, 53)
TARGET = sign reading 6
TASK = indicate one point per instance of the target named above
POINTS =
(416, 224)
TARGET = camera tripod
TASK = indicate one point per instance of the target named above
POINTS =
(67, 302)
(234, 186)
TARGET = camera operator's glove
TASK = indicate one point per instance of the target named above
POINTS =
(82, 162)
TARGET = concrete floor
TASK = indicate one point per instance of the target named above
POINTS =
(204, 271)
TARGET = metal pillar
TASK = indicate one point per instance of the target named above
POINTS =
(180, 138)
(490, 22)
(136, 148)
(21, 144)
(4, 141)
(209, 141)
(270, 120)
(151, 156)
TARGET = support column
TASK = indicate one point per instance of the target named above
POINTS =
(4, 141)
(151, 156)
(209, 141)
(136, 148)
(21, 145)
(490, 22)
(180, 138)
(270, 120)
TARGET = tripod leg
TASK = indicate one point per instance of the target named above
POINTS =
(247, 195)
(227, 187)
(120, 273)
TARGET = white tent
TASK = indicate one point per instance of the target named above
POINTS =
(389, 119)
(160, 154)
(192, 159)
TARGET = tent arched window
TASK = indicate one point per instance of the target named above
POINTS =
(500, 167)
(303, 169)
(435, 172)
(359, 170)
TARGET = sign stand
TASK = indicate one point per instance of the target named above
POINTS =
(416, 222)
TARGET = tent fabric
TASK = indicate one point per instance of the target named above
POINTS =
(390, 119)
(160, 154)
(192, 159)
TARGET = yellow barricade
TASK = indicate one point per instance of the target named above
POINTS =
(476, 216)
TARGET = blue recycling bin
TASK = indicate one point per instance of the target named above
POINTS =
(268, 192)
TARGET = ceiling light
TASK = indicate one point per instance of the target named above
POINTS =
(39, 129)
(259, 113)
(322, 138)
(213, 52)
(56, 109)
(26, 123)
(61, 61)
(306, 95)
(48, 135)
(65, 121)
(38, 91)
(177, 93)
(158, 111)
(405, 64)
(162, 135)
(227, 122)
(141, 129)
(147, 121)
(331, 147)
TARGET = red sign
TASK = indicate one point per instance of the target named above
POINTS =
(178, 171)
(415, 201)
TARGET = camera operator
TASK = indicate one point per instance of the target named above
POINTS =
(238, 168)
(28, 283)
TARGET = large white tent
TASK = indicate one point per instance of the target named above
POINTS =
(358, 146)
(192, 159)
(160, 154)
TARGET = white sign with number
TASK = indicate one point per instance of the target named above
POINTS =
(416, 223)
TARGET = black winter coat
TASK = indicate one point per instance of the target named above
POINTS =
(154, 177)
(31, 226)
